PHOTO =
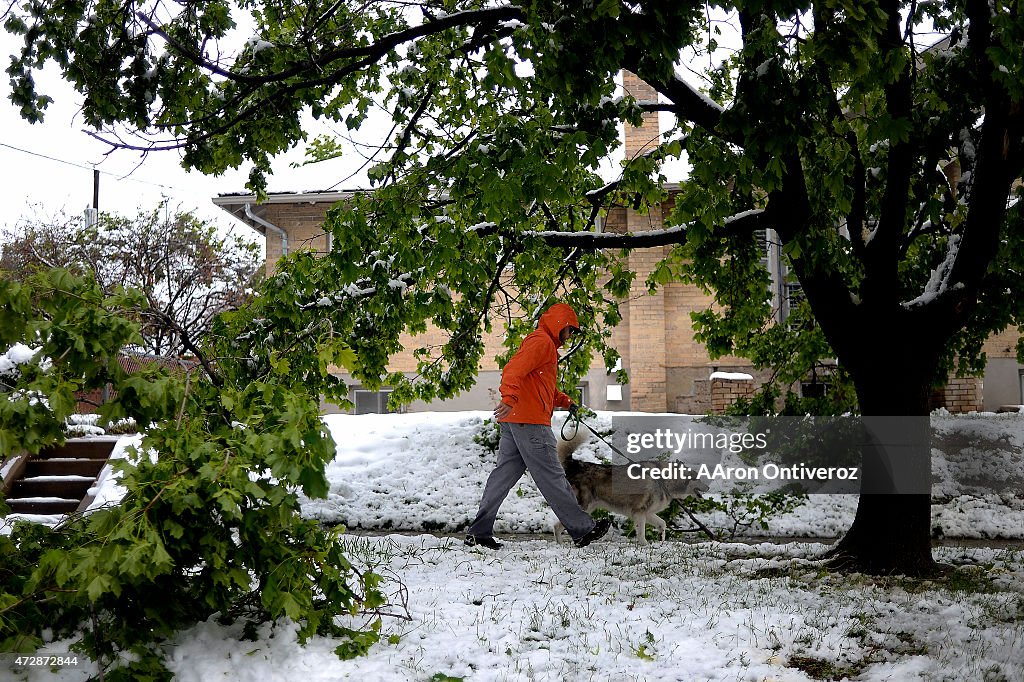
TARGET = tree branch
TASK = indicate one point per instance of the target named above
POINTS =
(367, 54)
(735, 226)
(687, 103)
(858, 212)
(883, 250)
(824, 287)
(994, 171)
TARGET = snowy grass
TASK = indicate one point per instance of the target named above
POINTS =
(616, 611)
(671, 611)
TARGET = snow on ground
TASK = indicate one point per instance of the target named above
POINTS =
(417, 472)
(107, 489)
(616, 611)
(424, 472)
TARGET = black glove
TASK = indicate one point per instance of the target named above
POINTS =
(574, 410)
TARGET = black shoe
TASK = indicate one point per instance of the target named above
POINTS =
(488, 542)
(596, 533)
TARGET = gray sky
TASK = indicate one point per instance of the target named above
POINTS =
(48, 167)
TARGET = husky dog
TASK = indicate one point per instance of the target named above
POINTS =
(639, 499)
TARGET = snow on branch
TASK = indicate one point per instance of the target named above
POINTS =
(736, 225)
(363, 55)
(610, 240)
(355, 291)
(938, 281)
(680, 83)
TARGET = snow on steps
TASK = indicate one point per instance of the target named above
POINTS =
(58, 479)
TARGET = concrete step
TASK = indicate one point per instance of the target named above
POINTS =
(52, 486)
(43, 505)
(63, 467)
(58, 479)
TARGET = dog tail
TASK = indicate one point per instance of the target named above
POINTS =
(567, 447)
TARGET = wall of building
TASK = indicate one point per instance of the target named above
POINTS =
(725, 392)
(484, 394)
(480, 397)
(1001, 384)
(304, 223)
(960, 395)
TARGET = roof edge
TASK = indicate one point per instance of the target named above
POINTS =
(285, 198)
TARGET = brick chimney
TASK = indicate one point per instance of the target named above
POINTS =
(647, 339)
(656, 338)
(644, 138)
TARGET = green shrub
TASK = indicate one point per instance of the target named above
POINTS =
(210, 524)
(488, 436)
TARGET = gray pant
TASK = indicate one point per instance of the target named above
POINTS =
(522, 447)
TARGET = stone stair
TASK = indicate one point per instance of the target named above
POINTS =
(58, 479)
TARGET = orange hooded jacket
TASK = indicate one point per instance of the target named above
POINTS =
(529, 380)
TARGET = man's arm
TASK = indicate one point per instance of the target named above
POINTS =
(562, 400)
(529, 357)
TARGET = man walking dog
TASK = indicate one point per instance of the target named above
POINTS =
(529, 394)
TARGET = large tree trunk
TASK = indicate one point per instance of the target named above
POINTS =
(891, 533)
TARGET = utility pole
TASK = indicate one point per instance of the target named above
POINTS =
(95, 215)
(92, 214)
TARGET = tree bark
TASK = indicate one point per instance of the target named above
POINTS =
(891, 533)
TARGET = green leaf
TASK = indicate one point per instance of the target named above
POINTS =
(287, 604)
(102, 584)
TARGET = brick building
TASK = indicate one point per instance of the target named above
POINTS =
(669, 370)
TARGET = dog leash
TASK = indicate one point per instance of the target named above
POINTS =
(578, 420)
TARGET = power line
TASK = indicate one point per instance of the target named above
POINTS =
(116, 176)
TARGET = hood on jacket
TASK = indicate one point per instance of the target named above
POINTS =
(555, 319)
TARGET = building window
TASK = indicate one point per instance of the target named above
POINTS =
(793, 295)
(813, 389)
(370, 402)
(583, 392)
